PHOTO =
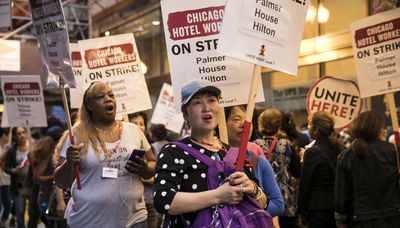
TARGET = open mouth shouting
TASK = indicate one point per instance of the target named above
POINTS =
(110, 108)
(207, 118)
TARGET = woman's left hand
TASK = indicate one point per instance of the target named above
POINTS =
(241, 179)
(137, 166)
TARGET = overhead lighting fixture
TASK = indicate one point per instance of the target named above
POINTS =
(155, 22)
(311, 13)
(144, 67)
(107, 33)
(140, 29)
(323, 14)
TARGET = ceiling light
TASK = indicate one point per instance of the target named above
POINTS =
(311, 12)
(155, 22)
(144, 67)
(107, 33)
(140, 28)
(323, 14)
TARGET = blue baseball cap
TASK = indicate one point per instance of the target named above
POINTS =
(190, 88)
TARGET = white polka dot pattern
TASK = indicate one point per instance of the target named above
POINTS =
(178, 171)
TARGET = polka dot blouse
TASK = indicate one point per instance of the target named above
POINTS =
(177, 170)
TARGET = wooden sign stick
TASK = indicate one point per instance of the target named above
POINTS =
(393, 116)
(223, 132)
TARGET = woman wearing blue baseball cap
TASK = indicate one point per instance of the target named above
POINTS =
(181, 180)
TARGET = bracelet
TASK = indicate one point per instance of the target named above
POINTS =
(255, 190)
(260, 193)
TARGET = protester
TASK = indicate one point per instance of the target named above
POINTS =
(298, 139)
(5, 198)
(112, 191)
(284, 161)
(235, 116)
(345, 136)
(158, 134)
(42, 154)
(316, 198)
(367, 181)
(17, 165)
(181, 180)
(140, 119)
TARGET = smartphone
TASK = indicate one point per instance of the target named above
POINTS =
(135, 152)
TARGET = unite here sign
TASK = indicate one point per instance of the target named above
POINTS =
(341, 98)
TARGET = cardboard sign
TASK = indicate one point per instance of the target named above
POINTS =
(264, 32)
(376, 48)
(52, 36)
(164, 112)
(4, 119)
(191, 32)
(76, 95)
(10, 55)
(5, 15)
(341, 98)
(115, 61)
(23, 100)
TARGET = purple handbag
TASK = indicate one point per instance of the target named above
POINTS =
(247, 214)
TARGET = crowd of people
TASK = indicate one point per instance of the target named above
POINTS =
(135, 177)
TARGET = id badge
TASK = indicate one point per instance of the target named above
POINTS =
(109, 173)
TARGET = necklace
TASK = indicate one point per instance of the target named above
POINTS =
(219, 147)
(114, 150)
(107, 132)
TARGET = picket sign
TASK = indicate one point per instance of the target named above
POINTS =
(125, 118)
(223, 132)
(71, 137)
(255, 80)
(393, 116)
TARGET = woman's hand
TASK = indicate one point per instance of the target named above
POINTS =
(17, 169)
(229, 194)
(137, 166)
(74, 153)
(241, 180)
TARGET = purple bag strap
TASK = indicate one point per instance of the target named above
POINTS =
(231, 156)
(195, 153)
